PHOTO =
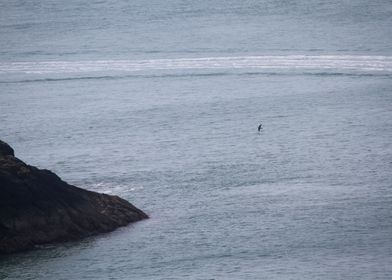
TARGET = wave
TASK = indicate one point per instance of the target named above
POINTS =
(184, 75)
(306, 64)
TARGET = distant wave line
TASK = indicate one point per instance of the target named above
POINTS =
(141, 76)
(289, 62)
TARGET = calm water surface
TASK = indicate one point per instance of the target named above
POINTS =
(159, 103)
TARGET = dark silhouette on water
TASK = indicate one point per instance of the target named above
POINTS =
(260, 127)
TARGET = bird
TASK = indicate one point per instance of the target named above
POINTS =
(260, 127)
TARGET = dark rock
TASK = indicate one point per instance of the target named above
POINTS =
(37, 207)
(5, 149)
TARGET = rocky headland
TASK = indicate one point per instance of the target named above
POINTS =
(37, 207)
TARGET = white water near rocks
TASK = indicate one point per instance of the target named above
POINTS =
(160, 102)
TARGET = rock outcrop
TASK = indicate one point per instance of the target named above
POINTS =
(37, 207)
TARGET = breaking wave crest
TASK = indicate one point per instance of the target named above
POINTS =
(295, 64)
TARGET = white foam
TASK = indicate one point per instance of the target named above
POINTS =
(112, 188)
(347, 63)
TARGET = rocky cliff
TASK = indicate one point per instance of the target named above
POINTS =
(37, 207)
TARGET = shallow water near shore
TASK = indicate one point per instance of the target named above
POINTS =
(129, 102)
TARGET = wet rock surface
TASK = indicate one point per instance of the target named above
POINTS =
(37, 207)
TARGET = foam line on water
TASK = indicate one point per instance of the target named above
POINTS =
(345, 63)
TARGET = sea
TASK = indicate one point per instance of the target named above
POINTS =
(159, 102)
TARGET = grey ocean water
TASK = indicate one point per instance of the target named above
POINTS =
(159, 102)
